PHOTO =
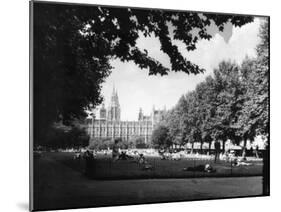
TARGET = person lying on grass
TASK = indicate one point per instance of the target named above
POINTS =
(240, 162)
(202, 168)
(147, 166)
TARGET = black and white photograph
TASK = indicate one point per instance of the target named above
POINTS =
(132, 105)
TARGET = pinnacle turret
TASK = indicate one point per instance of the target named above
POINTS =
(114, 107)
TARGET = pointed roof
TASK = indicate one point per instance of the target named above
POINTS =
(114, 97)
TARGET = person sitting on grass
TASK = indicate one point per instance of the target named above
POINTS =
(226, 156)
(77, 155)
(141, 159)
(143, 163)
(165, 154)
(161, 152)
(176, 156)
(124, 156)
(88, 154)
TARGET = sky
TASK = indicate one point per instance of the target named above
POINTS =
(136, 89)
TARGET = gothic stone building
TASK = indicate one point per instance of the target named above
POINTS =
(109, 125)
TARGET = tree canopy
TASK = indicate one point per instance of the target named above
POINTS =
(160, 137)
(74, 43)
(255, 118)
(232, 104)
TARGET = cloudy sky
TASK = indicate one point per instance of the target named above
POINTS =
(136, 89)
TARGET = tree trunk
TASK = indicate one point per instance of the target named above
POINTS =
(210, 144)
(244, 149)
(223, 146)
(201, 147)
(245, 143)
(192, 146)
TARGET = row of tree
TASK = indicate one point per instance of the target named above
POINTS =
(232, 104)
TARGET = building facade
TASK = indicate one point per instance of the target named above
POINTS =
(110, 126)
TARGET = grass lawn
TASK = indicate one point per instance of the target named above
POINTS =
(60, 184)
(104, 168)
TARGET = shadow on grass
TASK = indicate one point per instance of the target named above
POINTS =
(106, 169)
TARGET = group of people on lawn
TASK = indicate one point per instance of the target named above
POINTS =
(116, 155)
(141, 161)
(145, 165)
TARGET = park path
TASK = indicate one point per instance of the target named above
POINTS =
(58, 186)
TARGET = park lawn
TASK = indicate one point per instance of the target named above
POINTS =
(59, 183)
(104, 168)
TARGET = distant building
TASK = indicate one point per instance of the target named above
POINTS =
(109, 125)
